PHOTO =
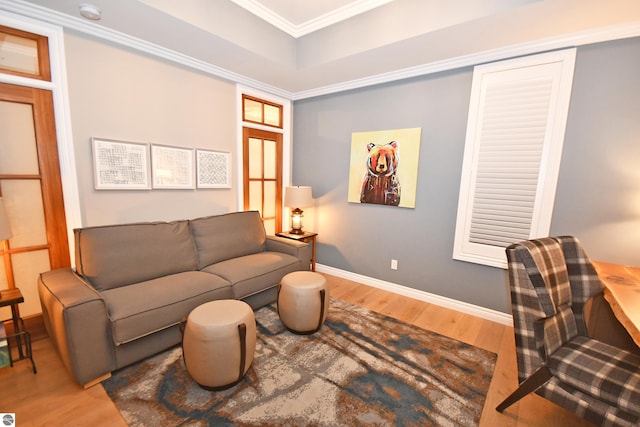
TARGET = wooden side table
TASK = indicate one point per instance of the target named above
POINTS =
(13, 297)
(305, 237)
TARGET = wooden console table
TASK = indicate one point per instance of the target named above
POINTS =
(13, 297)
(622, 292)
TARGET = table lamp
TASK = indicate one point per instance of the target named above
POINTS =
(296, 198)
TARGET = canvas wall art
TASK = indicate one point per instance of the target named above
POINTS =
(384, 167)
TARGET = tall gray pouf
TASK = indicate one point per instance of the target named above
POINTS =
(219, 342)
(303, 301)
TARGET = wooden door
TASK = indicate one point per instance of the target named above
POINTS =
(262, 176)
(31, 187)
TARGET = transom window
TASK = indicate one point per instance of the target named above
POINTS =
(256, 110)
(24, 54)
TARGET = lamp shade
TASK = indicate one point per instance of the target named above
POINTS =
(297, 197)
(5, 228)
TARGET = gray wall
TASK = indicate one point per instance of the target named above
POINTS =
(116, 93)
(598, 196)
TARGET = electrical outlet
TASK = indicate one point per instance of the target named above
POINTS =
(394, 264)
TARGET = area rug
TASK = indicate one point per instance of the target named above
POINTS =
(361, 368)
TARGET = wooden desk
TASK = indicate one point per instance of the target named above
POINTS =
(305, 237)
(622, 292)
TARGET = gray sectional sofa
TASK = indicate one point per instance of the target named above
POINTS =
(134, 283)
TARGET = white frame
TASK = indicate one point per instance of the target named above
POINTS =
(132, 151)
(174, 160)
(557, 66)
(203, 169)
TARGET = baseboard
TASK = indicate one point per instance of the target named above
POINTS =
(34, 324)
(474, 310)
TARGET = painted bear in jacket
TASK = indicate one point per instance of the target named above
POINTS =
(380, 184)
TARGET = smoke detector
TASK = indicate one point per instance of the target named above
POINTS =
(91, 12)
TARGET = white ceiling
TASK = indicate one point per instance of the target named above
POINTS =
(300, 48)
(298, 18)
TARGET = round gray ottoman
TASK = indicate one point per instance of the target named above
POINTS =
(219, 342)
(303, 301)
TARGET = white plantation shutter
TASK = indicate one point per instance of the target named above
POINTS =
(515, 132)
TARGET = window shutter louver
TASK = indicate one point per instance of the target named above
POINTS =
(513, 131)
(514, 140)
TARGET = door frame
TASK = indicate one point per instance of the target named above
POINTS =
(58, 87)
(286, 140)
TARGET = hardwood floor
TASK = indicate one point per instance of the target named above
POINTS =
(51, 398)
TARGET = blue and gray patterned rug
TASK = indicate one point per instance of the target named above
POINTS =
(361, 368)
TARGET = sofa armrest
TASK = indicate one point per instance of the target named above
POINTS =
(298, 249)
(76, 319)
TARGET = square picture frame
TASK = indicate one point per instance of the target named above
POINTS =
(370, 186)
(213, 169)
(120, 165)
(172, 167)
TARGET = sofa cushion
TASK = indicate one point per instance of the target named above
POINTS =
(254, 273)
(118, 255)
(144, 308)
(222, 237)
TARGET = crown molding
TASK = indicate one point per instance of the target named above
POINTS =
(43, 14)
(615, 32)
(597, 35)
(330, 18)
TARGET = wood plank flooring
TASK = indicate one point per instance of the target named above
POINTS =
(51, 398)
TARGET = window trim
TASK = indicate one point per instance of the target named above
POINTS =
(558, 65)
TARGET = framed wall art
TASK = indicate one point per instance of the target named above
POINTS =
(120, 165)
(213, 169)
(384, 167)
(172, 167)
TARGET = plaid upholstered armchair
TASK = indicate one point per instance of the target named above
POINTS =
(551, 279)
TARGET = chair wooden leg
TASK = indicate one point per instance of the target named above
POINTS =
(538, 378)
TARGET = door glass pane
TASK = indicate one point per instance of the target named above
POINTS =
(252, 110)
(255, 158)
(255, 196)
(269, 199)
(272, 115)
(23, 201)
(17, 138)
(26, 268)
(270, 226)
(18, 54)
(4, 284)
(269, 159)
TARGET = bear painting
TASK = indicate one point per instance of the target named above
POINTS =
(380, 184)
(377, 177)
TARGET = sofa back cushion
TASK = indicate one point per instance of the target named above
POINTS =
(223, 237)
(117, 255)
